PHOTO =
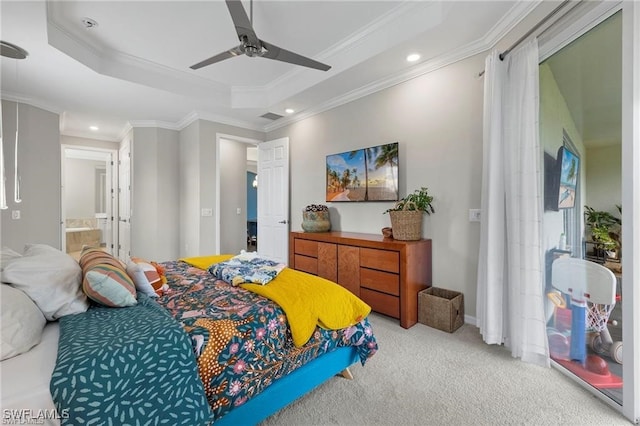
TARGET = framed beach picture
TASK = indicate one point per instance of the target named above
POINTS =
(568, 164)
(367, 174)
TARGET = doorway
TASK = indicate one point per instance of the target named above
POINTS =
(252, 198)
(88, 200)
(581, 132)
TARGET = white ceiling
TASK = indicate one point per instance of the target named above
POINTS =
(589, 75)
(133, 68)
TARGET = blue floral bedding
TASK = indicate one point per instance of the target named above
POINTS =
(242, 340)
(246, 269)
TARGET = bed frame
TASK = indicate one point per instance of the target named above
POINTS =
(287, 389)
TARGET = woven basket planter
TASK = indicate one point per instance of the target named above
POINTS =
(406, 225)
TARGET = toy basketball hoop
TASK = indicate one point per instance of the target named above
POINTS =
(598, 316)
(593, 287)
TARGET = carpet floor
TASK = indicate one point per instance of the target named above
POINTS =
(423, 376)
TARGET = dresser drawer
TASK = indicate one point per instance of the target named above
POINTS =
(381, 281)
(382, 260)
(380, 302)
(306, 264)
(306, 247)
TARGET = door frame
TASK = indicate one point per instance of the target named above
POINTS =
(219, 136)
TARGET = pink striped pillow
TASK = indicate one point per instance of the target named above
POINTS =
(105, 279)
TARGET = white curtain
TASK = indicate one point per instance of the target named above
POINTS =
(510, 297)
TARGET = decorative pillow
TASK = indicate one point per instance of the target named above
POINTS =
(6, 256)
(50, 278)
(22, 322)
(105, 279)
(145, 276)
(246, 268)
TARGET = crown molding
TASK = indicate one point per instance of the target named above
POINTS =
(221, 119)
(513, 17)
(153, 123)
(94, 136)
(27, 100)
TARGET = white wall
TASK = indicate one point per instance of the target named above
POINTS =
(233, 196)
(554, 118)
(437, 120)
(154, 194)
(39, 164)
(604, 178)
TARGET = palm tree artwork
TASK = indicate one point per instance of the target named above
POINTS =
(367, 174)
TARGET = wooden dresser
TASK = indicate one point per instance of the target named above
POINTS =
(387, 274)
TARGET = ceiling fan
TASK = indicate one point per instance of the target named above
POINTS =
(252, 46)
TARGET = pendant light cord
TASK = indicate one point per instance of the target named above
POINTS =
(3, 178)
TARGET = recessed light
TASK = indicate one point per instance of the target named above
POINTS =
(289, 111)
(413, 57)
(94, 128)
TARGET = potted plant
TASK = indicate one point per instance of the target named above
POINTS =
(406, 215)
(604, 229)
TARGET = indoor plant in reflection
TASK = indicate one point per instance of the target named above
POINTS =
(315, 218)
(605, 230)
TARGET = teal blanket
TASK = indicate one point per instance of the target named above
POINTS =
(132, 366)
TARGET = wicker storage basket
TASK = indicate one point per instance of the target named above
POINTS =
(440, 308)
(406, 225)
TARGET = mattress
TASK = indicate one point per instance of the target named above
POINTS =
(25, 380)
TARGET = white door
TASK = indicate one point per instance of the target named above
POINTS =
(273, 199)
(124, 201)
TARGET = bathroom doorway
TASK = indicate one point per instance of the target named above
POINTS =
(88, 199)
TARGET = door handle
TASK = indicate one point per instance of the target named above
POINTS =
(284, 222)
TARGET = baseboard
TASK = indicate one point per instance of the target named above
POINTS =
(468, 319)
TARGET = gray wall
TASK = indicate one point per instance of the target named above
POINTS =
(39, 157)
(233, 196)
(80, 187)
(437, 120)
(154, 194)
(199, 181)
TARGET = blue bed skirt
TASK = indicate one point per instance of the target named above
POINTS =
(290, 387)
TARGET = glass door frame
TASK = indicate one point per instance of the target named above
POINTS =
(630, 182)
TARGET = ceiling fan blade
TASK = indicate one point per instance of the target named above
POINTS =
(217, 58)
(241, 20)
(280, 54)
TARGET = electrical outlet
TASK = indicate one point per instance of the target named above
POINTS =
(206, 212)
(238, 210)
(474, 215)
(15, 214)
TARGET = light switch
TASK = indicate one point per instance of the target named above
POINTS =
(474, 215)
(15, 214)
(238, 210)
(206, 212)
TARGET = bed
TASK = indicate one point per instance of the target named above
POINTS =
(238, 362)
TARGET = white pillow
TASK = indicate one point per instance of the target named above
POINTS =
(51, 278)
(6, 256)
(22, 322)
